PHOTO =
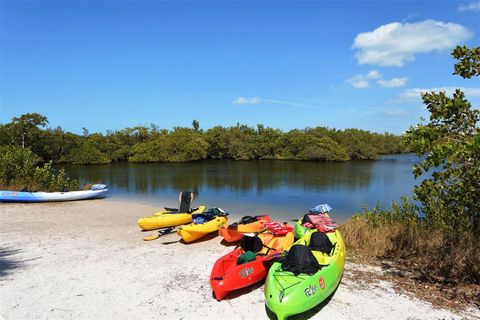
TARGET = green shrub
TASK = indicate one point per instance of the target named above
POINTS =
(86, 153)
(179, 145)
(405, 212)
(16, 164)
(18, 170)
(323, 149)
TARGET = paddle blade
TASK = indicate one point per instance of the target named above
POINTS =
(150, 238)
(159, 234)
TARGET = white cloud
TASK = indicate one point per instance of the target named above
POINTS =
(361, 81)
(373, 75)
(396, 43)
(414, 95)
(472, 6)
(392, 83)
(247, 100)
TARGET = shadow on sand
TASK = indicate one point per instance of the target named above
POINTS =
(305, 315)
(207, 237)
(240, 292)
(7, 262)
(229, 244)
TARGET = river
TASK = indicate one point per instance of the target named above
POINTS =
(284, 189)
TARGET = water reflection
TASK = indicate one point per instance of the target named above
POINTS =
(234, 176)
(248, 186)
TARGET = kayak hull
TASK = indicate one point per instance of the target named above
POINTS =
(165, 219)
(287, 294)
(227, 276)
(299, 230)
(193, 231)
(237, 276)
(230, 235)
(18, 196)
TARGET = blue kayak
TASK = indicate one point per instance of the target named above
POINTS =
(96, 192)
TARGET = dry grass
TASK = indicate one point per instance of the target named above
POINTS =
(428, 263)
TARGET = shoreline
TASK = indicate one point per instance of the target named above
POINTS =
(379, 156)
(87, 260)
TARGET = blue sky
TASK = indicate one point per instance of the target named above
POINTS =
(112, 64)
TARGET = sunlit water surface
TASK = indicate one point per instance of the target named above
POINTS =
(284, 189)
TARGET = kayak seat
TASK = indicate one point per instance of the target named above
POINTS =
(319, 241)
(248, 219)
(300, 259)
(253, 244)
(233, 226)
(305, 218)
(185, 199)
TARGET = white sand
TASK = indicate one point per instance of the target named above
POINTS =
(87, 260)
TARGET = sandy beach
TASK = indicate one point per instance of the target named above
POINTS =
(87, 260)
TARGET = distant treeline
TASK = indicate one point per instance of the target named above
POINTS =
(152, 144)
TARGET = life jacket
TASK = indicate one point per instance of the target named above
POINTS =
(278, 228)
(321, 222)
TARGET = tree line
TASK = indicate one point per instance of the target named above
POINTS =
(182, 144)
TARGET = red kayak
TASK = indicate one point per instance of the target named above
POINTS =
(250, 263)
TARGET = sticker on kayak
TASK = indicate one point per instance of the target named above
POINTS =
(321, 282)
(246, 272)
(310, 290)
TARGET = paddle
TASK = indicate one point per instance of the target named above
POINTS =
(159, 234)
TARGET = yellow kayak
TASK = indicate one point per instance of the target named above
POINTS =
(195, 231)
(164, 219)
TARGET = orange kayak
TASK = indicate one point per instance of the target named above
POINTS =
(235, 231)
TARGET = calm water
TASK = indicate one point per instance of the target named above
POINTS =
(285, 189)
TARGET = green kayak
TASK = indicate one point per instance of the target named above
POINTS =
(299, 230)
(290, 292)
